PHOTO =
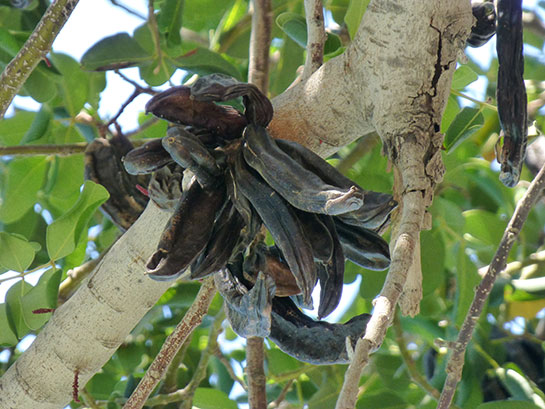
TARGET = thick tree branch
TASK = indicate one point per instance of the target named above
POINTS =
(456, 361)
(316, 37)
(33, 51)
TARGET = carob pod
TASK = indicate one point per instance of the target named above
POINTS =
(317, 235)
(178, 106)
(282, 223)
(225, 237)
(300, 187)
(147, 158)
(374, 214)
(187, 233)
(248, 311)
(219, 87)
(194, 157)
(103, 165)
(165, 186)
(485, 26)
(331, 275)
(363, 247)
(315, 342)
(258, 258)
(511, 92)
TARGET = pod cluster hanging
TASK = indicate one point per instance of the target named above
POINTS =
(240, 180)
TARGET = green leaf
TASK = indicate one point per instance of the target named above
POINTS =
(332, 44)
(7, 334)
(43, 295)
(354, 14)
(383, 400)
(517, 385)
(114, 52)
(433, 260)
(507, 404)
(74, 83)
(39, 126)
(279, 362)
(204, 15)
(208, 398)
(463, 76)
(462, 127)
(170, 21)
(484, 228)
(8, 43)
(64, 233)
(12, 130)
(15, 312)
(40, 86)
(202, 61)
(24, 179)
(466, 279)
(451, 110)
(16, 253)
(295, 26)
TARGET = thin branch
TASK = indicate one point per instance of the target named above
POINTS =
(173, 343)
(278, 401)
(316, 37)
(364, 145)
(257, 396)
(260, 40)
(230, 369)
(62, 150)
(143, 90)
(414, 373)
(476, 101)
(127, 9)
(456, 361)
(171, 377)
(154, 28)
(33, 51)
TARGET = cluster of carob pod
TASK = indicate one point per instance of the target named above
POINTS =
(511, 91)
(236, 179)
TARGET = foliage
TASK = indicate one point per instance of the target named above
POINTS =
(44, 215)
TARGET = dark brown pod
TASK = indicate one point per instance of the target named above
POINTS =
(178, 106)
(103, 165)
(315, 342)
(219, 87)
(511, 92)
(187, 233)
(147, 158)
(485, 25)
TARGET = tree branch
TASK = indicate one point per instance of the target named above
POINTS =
(33, 51)
(498, 263)
(192, 319)
(260, 40)
(316, 37)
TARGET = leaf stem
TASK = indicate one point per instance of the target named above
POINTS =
(476, 101)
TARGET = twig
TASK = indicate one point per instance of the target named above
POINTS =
(75, 276)
(414, 373)
(229, 369)
(143, 90)
(276, 403)
(171, 377)
(456, 361)
(127, 9)
(68, 149)
(173, 343)
(133, 96)
(260, 40)
(476, 101)
(316, 37)
(33, 51)
(152, 21)
(364, 145)
(257, 396)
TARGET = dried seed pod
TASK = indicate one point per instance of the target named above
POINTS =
(103, 165)
(147, 158)
(178, 106)
(165, 186)
(248, 311)
(485, 26)
(331, 275)
(315, 342)
(300, 187)
(225, 237)
(282, 223)
(511, 92)
(374, 213)
(317, 235)
(175, 145)
(363, 247)
(187, 233)
(219, 87)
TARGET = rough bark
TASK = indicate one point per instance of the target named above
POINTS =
(393, 79)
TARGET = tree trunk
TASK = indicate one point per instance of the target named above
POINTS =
(394, 78)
